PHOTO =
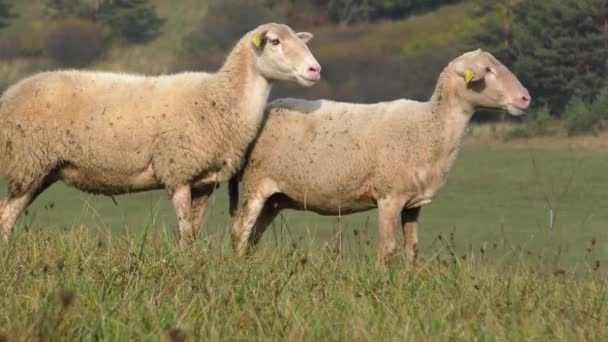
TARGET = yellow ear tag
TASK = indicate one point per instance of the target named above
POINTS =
(257, 40)
(469, 75)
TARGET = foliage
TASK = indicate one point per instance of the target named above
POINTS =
(587, 117)
(558, 48)
(561, 49)
(136, 20)
(579, 117)
(445, 28)
(75, 42)
(346, 12)
(60, 9)
(495, 32)
(6, 13)
(600, 105)
(15, 45)
(226, 21)
(397, 9)
(536, 122)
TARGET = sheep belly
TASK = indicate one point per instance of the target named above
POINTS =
(339, 208)
(331, 200)
(108, 182)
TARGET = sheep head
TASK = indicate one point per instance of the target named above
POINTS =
(487, 84)
(282, 54)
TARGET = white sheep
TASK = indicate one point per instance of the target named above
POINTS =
(339, 158)
(111, 133)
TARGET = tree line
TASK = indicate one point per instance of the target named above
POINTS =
(558, 48)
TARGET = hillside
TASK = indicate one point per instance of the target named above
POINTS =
(367, 50)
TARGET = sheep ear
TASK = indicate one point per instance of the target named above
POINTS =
(469, 71)
(259, 39)
(305, 36)
(469, 75)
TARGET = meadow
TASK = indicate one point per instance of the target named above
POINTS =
(515, 247)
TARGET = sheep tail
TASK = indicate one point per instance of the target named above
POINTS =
(233, 194)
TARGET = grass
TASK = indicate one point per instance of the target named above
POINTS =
(492, 265)
(73, 286)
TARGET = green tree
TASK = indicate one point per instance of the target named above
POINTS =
(496, 32)
(346, 12)
(61, 9)
(6, 13)
(560, 48)
(225, 22)
(136, 20)
(395, 9)
(349, 11)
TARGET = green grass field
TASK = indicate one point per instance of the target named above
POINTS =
(492, 266)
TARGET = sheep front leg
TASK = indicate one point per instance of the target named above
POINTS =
(388, 211)
(181, 197)
(409, 224)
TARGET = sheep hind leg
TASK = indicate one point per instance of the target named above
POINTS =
(268, 214)
(12, 206)
(247, 217)
(409, 224)
(181, 197)
(245, 222)
(11, 210)
(200, 198)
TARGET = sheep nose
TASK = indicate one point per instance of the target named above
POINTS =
(314, 72)
(525, 99)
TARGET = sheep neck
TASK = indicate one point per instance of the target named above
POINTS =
(247, 90)
(454, 114)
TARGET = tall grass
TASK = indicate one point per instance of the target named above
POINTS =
(72, 285)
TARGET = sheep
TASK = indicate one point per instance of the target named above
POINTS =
(337, 158)
(108, 133)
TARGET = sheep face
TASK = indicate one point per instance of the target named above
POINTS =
(488, 84)
(283, 55)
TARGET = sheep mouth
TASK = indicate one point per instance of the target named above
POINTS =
(515, 110)
(511, 109)
(492, 109)
(307, 81)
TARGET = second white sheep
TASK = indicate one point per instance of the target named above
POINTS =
(338, 158)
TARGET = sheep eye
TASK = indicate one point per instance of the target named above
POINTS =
(489, 69)
(275, 41)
